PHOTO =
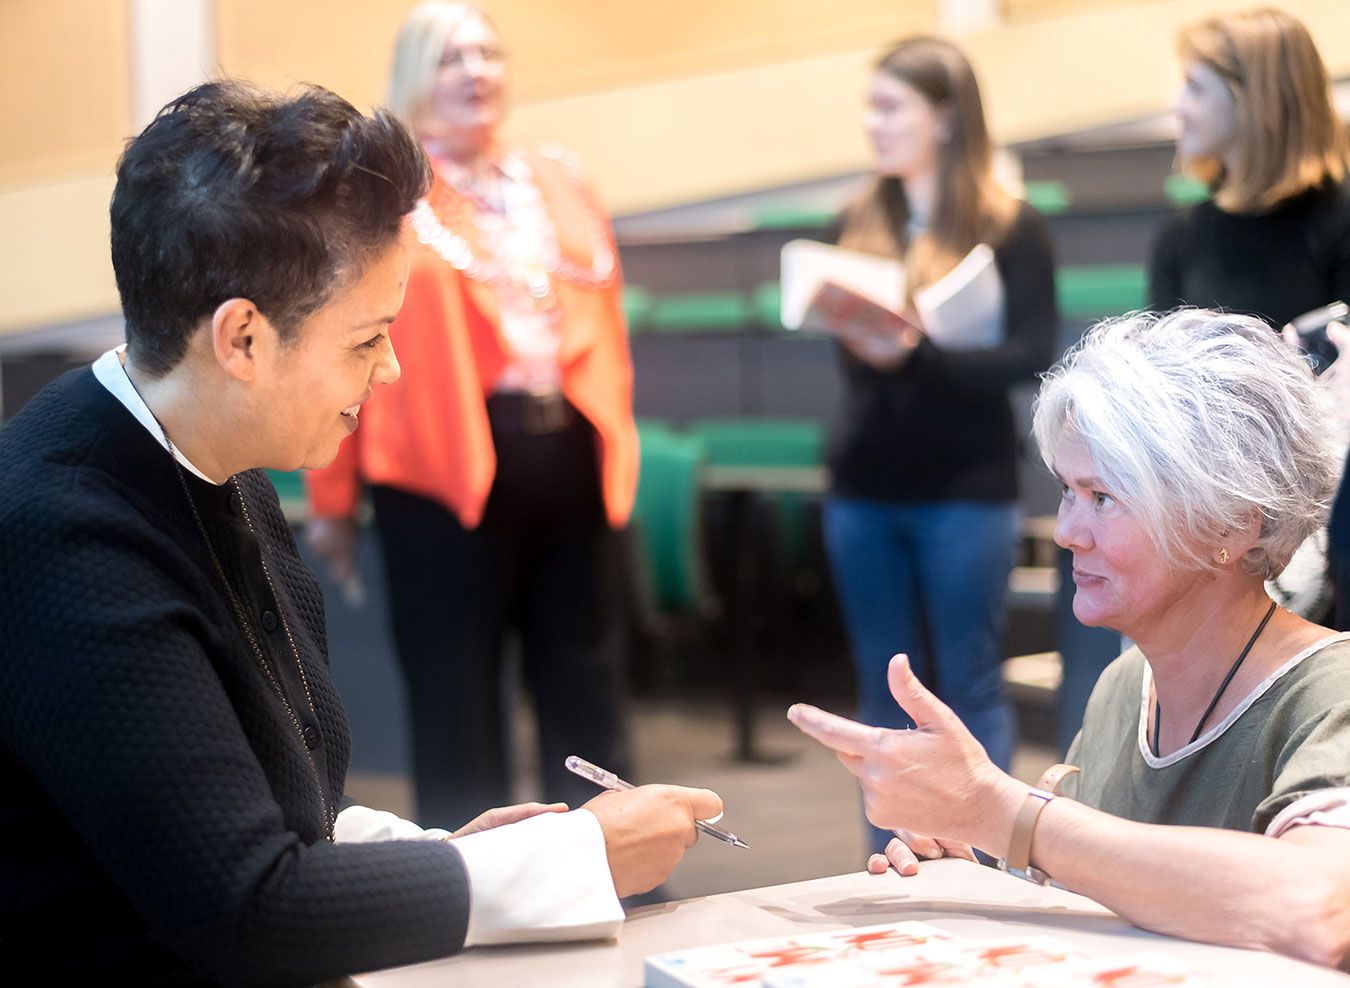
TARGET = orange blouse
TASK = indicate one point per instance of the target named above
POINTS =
(428, 433)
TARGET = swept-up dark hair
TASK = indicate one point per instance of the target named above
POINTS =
(234, 192)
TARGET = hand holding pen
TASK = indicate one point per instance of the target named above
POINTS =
(608, 780)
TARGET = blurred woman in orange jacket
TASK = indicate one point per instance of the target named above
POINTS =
(507, 451)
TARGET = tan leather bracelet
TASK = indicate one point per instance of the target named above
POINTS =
(1018, 860)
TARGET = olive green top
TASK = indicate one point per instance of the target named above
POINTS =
(1289, 737)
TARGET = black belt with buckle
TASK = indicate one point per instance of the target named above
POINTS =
(535, 414)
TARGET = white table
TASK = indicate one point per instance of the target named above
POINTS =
(955, 895)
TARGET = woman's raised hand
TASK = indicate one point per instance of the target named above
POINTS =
(933, 779)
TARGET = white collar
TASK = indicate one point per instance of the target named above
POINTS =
(112, 374)
(1153, 761)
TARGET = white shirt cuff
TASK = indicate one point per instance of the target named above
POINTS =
(359, 824)
(545, 878)
(1326, 808)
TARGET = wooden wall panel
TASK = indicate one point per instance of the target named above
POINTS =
(54, 262)
(1023, 10)
(65, 104)
(558, 48)
(667, 102)
(1105, 65)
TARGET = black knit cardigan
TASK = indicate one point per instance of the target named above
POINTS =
(162, 815)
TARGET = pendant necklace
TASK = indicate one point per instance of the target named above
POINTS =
(241, 620)
(1157, 707)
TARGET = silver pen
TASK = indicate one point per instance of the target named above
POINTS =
(608, 780)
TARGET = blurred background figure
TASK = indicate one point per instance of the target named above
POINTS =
(1256, 122)
(499, 462)
(921, 524)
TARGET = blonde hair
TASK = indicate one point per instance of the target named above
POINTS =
(971, 208)
(1290, 139)
(418, 51)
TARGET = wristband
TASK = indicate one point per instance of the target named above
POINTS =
(1018, 860)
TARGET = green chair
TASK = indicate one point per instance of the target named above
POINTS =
(648, 427)
(754, 442)
(1183, 190)
(792, 217)
(290, 487)
(765, 303)
(637, 307)
(695, 312)
(666, 516)
(1094, 291)
(1047, 196)
(768, 442)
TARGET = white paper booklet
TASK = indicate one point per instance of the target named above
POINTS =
(908, 953)
(806, 266)
(963, 310)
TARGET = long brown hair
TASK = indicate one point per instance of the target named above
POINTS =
(1289, 136)
(970, 207)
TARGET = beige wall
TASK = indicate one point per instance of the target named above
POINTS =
(558, 48)
(667, 101)
(64, 88)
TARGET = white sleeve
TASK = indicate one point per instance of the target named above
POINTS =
(1327, 808)
(357, 824)
(545, 878)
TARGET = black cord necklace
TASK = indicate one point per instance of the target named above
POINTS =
(1157, 707)
(330, 811)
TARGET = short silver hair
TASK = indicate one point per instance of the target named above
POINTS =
(417, 53)
(1194, 418)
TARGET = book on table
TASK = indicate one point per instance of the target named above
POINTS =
(860, 296)
(908, 953)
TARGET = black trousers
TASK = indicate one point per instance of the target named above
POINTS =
(542, 561)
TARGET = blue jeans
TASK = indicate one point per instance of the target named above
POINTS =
(930, 580)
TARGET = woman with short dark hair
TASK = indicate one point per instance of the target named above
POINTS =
(172, 747)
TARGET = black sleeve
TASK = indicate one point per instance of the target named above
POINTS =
(109, 698)
(1026, 265)
(1164, 265)
(1339, 249)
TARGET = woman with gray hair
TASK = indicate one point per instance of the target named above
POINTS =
(1194, 459)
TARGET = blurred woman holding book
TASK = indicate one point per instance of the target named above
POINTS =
(920, 524)
(1257, 125)
(499, 462)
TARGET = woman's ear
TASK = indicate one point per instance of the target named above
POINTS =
(235, 329)
(1237, 542)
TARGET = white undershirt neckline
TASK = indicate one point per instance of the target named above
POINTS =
(112, 374)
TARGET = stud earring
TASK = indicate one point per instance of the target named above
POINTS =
(1223, 557)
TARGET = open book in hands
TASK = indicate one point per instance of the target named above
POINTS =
(874, 329)
(963, 310)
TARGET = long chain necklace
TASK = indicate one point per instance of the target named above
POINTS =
(456, 250)
(240, 617)
(1214, 702)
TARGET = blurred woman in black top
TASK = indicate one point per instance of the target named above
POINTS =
(1256, 122)
(921, 523)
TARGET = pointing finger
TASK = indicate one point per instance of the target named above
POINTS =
(833, 731)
